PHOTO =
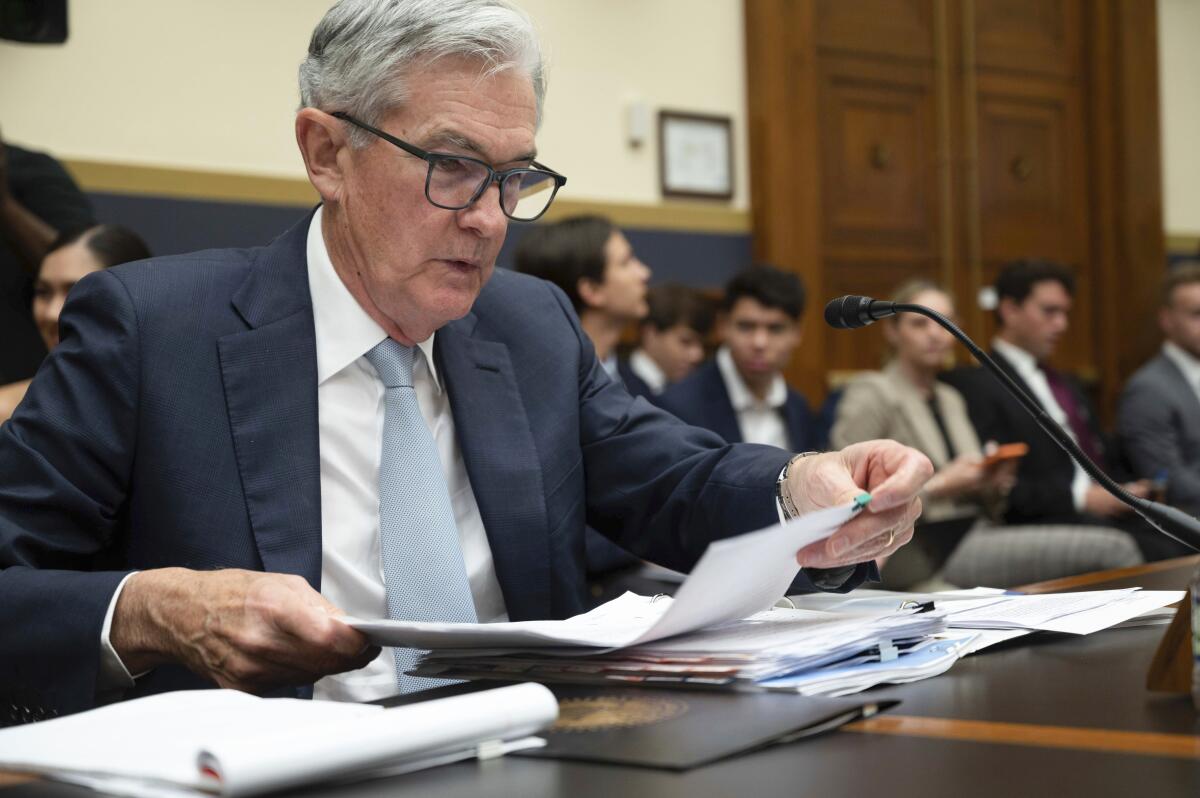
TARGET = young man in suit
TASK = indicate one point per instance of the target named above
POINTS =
(741, 394)
(1158, 420)
(230, 448)
(1034, 300)
(671, 340)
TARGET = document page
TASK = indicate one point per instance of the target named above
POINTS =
(735, 578)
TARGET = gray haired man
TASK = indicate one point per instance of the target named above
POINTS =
(230, 448)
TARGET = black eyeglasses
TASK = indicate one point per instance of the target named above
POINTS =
(455, 181)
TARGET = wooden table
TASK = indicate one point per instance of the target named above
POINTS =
(1042, 715)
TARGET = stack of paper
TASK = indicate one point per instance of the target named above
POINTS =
(735, 654)
(231, 743)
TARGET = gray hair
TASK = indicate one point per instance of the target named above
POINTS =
(361, 51)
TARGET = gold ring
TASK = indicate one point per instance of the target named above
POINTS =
(891, 538)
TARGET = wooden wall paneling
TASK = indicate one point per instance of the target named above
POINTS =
(1042, 36)
(899, 28)
(785, 197)
(1032, 149)
(1126, 185)
(878, 158)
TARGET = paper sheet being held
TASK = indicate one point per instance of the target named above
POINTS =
(735, 578)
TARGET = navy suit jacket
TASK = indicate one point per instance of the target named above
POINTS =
(176, 425)
(702, 399)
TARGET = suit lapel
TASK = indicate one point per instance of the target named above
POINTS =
(270, 379)
(919, 417)
(1171, 373)
(502, 462)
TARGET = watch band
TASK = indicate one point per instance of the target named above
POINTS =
(781, 493)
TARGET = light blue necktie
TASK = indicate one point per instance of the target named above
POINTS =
(422, 559)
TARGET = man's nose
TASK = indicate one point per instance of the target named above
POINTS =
(484, 216)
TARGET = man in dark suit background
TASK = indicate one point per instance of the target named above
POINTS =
(197, 483)
(1159, 415)
(1034, 300)
(741, 394)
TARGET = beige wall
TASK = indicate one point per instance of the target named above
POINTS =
(1179, 59)
(211, 84)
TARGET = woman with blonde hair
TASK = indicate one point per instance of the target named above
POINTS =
(955, 542)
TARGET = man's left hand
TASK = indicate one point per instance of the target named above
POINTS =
(891, 473)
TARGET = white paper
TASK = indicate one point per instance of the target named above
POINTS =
(161, 745)
(1030, 612)
(735, 578)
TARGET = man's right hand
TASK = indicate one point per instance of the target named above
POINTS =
(1100, 502)
(246, 630)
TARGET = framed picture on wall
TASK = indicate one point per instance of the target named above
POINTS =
(695, 153)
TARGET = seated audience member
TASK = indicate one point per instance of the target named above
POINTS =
(671, 340)
(741, 394)
(38, 200)
(69, 259)
(906, 402)
(1034, 304)
(592, 262)
(1159, 415)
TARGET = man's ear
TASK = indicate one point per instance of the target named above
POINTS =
(1004, 309)
(322, 141)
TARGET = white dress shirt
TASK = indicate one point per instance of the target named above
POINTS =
(644, 366)
(1027, 368)
(1187, 364)
(758, 419)
(350, 408)
(350, 402)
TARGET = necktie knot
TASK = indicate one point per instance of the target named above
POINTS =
(394, 363)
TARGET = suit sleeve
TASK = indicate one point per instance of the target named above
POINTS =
(65, 459)
(663, 489)
(1150, 434)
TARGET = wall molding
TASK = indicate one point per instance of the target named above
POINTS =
(1183, 243)
(197, 184)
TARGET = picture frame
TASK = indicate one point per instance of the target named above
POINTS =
(695, 153)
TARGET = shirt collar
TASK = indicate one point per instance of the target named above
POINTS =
(740, 396)
(644, 366)
(344, 331)
(1022, 361)
(1186, 362)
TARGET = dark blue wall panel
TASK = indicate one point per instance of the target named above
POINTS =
(172, 226)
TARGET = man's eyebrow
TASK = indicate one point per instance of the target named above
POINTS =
(450, 138)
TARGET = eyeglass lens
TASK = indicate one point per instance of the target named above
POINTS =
(523, 194)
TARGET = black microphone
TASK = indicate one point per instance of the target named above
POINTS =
(850, 312)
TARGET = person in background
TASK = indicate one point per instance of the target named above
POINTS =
(671, 340)
(38, 200)
(1158, 419)
(1034, 300)
(593, 263)
(741, 394)
(905, 402)
(70, 258)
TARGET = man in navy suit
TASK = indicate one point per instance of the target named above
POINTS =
(190, 493)
(741, 394)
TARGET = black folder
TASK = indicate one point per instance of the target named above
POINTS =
(684, 729)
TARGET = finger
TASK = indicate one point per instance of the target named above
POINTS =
(856, 536)
(908, 475)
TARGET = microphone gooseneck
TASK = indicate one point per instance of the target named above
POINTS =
(850, 312)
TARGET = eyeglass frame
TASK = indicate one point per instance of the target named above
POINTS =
(432, 158)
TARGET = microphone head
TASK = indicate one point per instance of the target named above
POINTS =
(852, 312)
(848, 312)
